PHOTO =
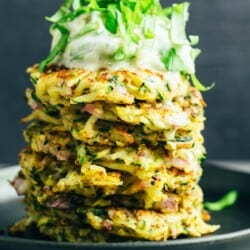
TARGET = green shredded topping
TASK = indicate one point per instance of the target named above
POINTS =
(120, 15)
(172, 61)
(85, 30)
(226, 201)
(111, 22)
(149, 34)
(199, 85)
(122, 18)
(178, 22)
(58, 49)
(194, 40)
(63, 11)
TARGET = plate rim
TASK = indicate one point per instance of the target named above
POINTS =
(241, 234)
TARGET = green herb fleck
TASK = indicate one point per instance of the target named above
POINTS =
(182, 139)
(110, 88)
(143, 224)
(81, 153)
(81, 159)
(168, 87)
(92, 157)
(104, 129)
(160, 97)
(137, 164)
(33, 80)
(202, 158)
(34, 96)
(99, 212)
(143, 88)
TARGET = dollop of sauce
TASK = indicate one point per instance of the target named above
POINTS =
(97, 48)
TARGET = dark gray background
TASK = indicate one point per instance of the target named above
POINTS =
(224, 29)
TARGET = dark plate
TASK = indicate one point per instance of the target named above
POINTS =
(217, 180)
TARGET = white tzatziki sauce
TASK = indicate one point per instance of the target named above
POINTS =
(96, 49)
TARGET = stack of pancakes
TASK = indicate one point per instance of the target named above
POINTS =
(113, 154)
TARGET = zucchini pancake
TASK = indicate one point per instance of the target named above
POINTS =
(114, 139)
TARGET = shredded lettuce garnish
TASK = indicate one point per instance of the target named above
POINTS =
(63, 11)
(120, 15)
(149, 34)
(58, 49)
(88, 28)
(226, 201)
(77, 4)
(111, 22)
(179, 19)
(123, 17)
(199, 85)
(172, 61)
(194, 40)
